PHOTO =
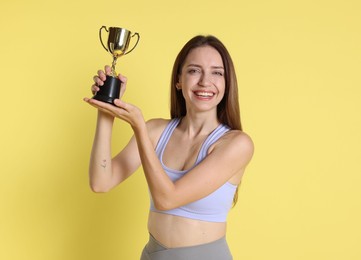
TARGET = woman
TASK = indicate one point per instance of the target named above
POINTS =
(193, 163)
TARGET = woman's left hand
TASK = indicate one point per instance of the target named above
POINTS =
(122, 110)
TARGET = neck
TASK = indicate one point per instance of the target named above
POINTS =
(198, 125)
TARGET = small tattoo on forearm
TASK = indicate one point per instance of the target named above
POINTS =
(104, 164)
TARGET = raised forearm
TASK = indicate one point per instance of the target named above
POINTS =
(100, 168)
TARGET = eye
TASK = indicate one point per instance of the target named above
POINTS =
(193, 71)
(218, 73)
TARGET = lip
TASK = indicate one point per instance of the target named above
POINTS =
(204, 94)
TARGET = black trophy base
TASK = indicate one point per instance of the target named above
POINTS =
(109, 91)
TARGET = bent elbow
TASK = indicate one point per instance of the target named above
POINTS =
(99, 188)
(159, 207)
(163, 204)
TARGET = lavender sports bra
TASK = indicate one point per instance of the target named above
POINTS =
(214, 207)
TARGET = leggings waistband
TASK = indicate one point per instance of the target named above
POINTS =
(217, 250)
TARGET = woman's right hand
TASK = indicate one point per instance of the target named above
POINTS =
(101, 77)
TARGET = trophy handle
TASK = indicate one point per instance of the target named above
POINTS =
(100, 36)
(135, 45)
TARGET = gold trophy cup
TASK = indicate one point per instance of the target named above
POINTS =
(117, 45)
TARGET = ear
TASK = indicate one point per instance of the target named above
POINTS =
(178, 86)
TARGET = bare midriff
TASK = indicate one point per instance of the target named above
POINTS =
(174, 231)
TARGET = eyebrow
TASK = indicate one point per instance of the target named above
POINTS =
(198, 66)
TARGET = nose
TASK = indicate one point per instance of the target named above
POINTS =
(205, 80)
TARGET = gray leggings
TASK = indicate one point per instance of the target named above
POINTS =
(217, 250)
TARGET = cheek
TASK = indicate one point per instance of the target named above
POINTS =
(221, 87)
(221, 96)
(222, 93)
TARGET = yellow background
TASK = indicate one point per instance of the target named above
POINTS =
(298, 65)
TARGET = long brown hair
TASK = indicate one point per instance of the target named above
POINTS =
(228, 109)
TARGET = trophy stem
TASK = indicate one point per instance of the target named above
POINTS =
(114, 74)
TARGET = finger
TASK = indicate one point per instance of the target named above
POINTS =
(98, 81)
(94, 89)
(122, 78)
(102, 106)
(121, 104)
(108, 70)
(101, 75)
(123, 84)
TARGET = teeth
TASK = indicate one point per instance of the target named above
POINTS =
(204, 94)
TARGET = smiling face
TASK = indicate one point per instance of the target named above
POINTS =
(202, 79)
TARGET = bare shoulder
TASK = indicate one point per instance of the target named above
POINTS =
(157, 122)
(236, 142)
(238, 137)
(155, 128)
